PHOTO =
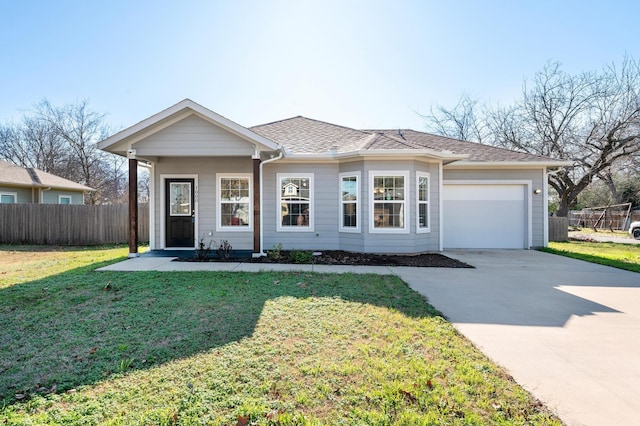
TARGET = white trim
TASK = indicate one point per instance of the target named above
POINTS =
(352, 229)
(279, 227)
(219, 226)
(13, 194)
(406, 202)
(507, 164)
(441, 217)
(528, 197)
(152, 207)
(426, 229)
(545, 209)
(163, 210)
(60, 197)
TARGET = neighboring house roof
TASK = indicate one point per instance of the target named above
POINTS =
(12, 175)
(301, 135)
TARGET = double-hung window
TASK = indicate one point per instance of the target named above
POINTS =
(234, 202)
(295, 198)
(349, 202)
(389, 197)
(422, 202)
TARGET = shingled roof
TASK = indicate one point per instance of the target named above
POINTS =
(12, 175)
(301, 135)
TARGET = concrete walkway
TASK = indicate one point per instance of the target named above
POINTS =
(568, 331)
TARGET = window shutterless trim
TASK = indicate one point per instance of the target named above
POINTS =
(279, 201)
(342, 203)
(427, 203)
(220, 202)
(10, 194)
(405, 202)
(60, 197)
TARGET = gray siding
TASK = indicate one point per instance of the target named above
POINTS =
(536, 177)
(51, 196)
(326, 235)
(352, 241)
(205, 168)
(23, 195)
(193, 136)
(403, 242)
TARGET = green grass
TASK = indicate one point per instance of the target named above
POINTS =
(602, 232)
(160, 348)
(622, 256)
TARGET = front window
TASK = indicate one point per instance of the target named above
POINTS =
(234, 202)
(349, 202)
(64, 199)
(7, 198)
(422, 197)
(388, 201)
(295, 198)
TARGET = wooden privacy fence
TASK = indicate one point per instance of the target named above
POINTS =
(69, 224)
(558, 228)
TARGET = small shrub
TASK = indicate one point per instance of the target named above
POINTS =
(276, 252)
(301, 256)
(224, 249)
(204, 249)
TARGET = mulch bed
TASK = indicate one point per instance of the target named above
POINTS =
(339, 257)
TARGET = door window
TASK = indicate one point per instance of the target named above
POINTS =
(180, 198)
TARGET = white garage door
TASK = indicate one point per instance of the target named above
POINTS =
(485, 216)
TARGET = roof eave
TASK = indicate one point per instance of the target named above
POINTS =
(508, 164)
(45, 186)
(333, 155)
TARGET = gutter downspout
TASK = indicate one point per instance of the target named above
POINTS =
(262, 163)
(42, 190)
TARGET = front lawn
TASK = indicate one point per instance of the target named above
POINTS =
(160, 348)
(622, 256)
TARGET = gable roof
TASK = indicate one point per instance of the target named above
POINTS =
(301, 135)
(121, 141)
(12, 175)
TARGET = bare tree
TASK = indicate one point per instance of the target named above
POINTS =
(460, 122)
(62, 140)
(80, 129)
(591, 119)
(32, 143)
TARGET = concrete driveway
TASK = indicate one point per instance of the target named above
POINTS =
(566, 330)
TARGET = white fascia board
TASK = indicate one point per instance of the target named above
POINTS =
(175, 113)
(506, 164)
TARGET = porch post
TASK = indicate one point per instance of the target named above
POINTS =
(133, 207)
(256, 205)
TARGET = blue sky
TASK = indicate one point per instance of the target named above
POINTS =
(363, 64)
